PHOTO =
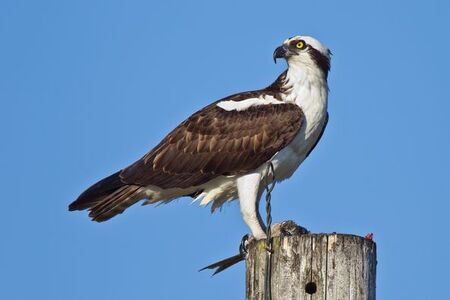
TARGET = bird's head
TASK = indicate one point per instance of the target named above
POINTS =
(304, 52)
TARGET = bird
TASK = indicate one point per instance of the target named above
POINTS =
(222, 152)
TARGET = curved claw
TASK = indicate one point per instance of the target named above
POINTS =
(289, 228)
(243, 246)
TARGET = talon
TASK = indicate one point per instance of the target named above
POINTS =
(284, 232)
(289, 228)
(243, 246)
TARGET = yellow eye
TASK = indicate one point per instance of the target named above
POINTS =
(300, 45)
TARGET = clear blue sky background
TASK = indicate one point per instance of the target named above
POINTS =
(87, 87)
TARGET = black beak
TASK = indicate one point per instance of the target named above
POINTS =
(280, 52)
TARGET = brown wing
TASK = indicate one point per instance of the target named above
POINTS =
(215, 142)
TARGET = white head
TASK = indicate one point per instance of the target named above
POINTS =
(304, 52)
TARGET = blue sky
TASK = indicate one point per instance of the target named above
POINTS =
(87, 87)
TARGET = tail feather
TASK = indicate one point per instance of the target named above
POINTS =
(115, 204)
(97, 192)
(107, 198)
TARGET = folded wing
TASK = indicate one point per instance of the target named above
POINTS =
(210, 143)
(215, 142)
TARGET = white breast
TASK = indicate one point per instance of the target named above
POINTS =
(310, 92)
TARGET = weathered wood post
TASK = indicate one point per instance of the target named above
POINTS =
(314, 267)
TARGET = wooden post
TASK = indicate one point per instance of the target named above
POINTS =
(314, 267)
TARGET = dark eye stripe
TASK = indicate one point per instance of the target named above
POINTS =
(322, 61)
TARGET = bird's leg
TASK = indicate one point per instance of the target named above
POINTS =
(248, 190)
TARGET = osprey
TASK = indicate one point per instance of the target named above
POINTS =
(222, 152)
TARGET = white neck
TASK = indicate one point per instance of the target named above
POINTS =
(306, 84)
(308, 88)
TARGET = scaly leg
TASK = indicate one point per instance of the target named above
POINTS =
(248, 190)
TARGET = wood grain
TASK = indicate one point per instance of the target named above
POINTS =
(314, 267)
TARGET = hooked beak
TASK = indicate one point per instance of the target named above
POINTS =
(281, 52)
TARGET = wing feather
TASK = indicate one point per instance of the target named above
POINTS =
(210, 143)
(215, 142)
